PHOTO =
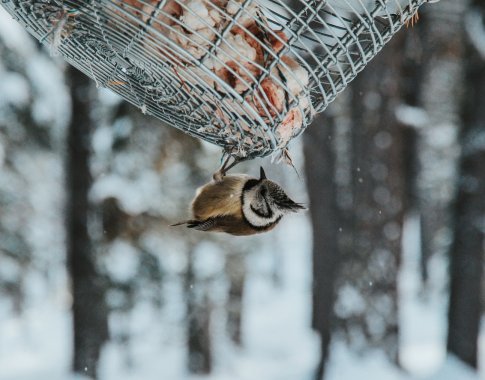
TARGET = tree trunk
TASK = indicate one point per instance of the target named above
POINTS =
(367, 300)
(320, 175)
(412, 79)
(440, 98)
(468, 247)
(198, 322)
(236, 272)
(88, 308)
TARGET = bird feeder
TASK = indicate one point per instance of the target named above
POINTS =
(247, 75)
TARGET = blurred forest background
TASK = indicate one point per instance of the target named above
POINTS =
(381, 279)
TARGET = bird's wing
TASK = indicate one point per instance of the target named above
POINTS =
(219, 198)
(219, 223)
(205, 225)
(224, 223)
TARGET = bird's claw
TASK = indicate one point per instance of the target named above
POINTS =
(221, 173)
(218, 175)
(413, 20)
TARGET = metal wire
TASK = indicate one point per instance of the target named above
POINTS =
(247, 75)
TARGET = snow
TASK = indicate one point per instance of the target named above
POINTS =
(345, 365)
(349, 301)
(275, 328)
(453, 369)
(121, 261)
(412, 116)
(136, 195)
(108, 97)
(14, 89)
(9, 270)
(208, 259)
(14, 36)
(422, 321)
(102, 140)
(51, 100)
(2, 152)
(37, 344)
(476, 31)
(47, 92)
(277, 333)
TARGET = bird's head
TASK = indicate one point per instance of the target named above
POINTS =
(264, 202)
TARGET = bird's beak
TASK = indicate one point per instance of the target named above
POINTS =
(262, 174)
(285, 203)
(295, 207)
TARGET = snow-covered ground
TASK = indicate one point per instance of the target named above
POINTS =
(278, 344)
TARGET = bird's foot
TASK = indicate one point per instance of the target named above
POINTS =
(221, 173)
(413, 20)
(218, 176)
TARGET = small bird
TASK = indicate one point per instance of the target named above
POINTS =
(240, 205)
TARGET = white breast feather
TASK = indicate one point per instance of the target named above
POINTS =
(258, 221)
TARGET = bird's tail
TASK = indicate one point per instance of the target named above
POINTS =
(189, 223)
(200, 225)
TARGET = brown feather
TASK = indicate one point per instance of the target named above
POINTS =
(219, 198)
(233, 225)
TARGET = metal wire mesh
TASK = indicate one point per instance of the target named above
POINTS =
(247, 75)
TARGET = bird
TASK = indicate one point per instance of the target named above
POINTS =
(239, 205)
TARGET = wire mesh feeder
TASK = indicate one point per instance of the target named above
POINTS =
(247, 75)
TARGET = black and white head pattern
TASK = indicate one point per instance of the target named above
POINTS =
(264, 202)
